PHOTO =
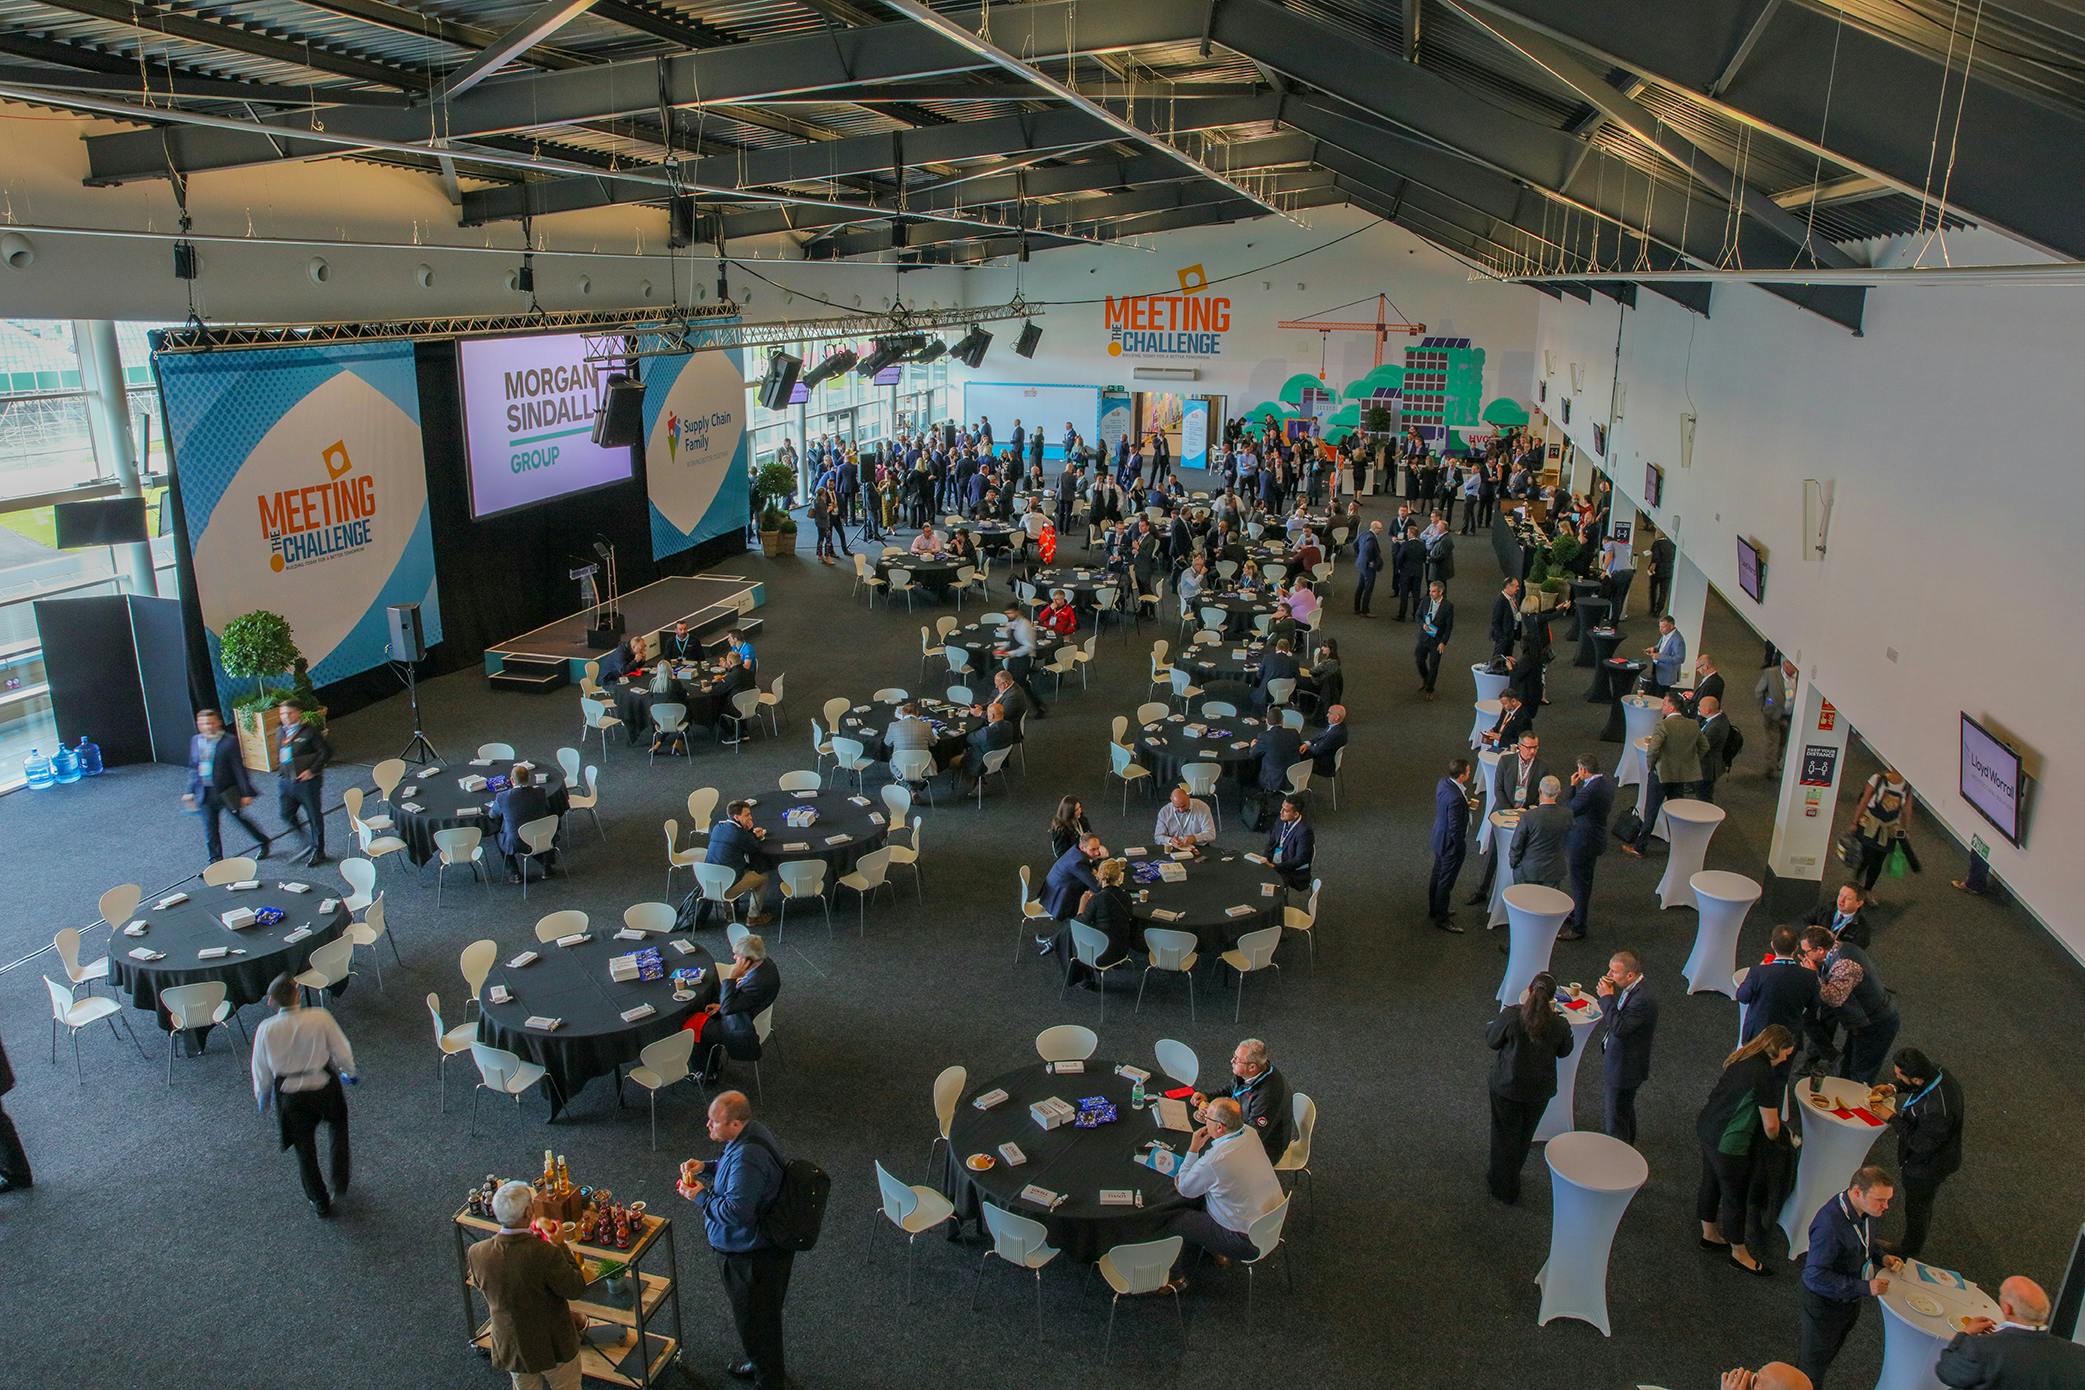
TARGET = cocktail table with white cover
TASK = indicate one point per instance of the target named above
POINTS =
(1487, 714)
(1640, 715)
(1490, 684)
(1688, 824)
(1723, 898)
(1583, 1013)
(1833, 1151)
(1643, 786)
(1533, 915)
(1500, 825)
(1922, 1310)
(1592, 1180)
(1488, 772)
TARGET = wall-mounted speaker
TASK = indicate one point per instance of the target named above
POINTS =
(782, 370)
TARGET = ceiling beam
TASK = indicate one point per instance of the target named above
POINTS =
(674, 28)
(1413, 18)
(1178, 219)
(1744, 48)
(976, 90)
(153, 81)
(1854, 188)
(533, 28)
(742, 73)
(150, 17)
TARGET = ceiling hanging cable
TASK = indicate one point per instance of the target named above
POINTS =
(1947, 66)
(1824, 124)
(1955, 139)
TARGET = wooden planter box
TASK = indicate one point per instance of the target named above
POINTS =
(256, 731)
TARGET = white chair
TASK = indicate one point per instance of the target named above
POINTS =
(553, 925)
(1066, 1042)
(1201, 780)
(803, 878)
(235, 870)
(1172, 951)
(799, 782)
(763, 1034)
(928, 649)
(911, 1211)
(653, 919)
(538, 841)
(904, 856)
(1022, 1243)
(1152, 711)
(193, 1006)
(497, 752)
(66, 941)
(870, 872)
(735, 932)
(361, 880)
(1265, 1235)
(568, 763)
(960, 662)
(502, 1073)
(120, 903)
(458, 846)
(369, 836)
(1065, 663)
(1281, 690)
(367, 933)
(588, 801)
(448, 1042)
(1305, 919)
(897, 804)
(1292, 718)
(1295, 1159)
(669, 726)
(1339, 762)
(1161, 671)
(960, 695)
(1299, 778)
(476, 963)
(948, 1089)
(772, 700)
(661, 1064)
(890, 695)
(1254, 952)
(1118, 730)
(1032, 913)
(352, 800)
(994, 765)
(1219, 709)
(1177, 1060)
(863, 579)
(702, 809)
(387, 775)
(680, 858)
(821, 738)
(851, 756)
(328, 965)
(76, 1014)
(1088, 945)
(1140, 1269)
(717, 881)
(1184, 689)
(900, 582)
(600, 717)
(1119, 765)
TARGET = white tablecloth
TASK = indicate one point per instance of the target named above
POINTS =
(1592, 1179)
(1912, 1336)
(1558, 1117)
(1723, 899)
(1688, 824)
(1533, 916)
(1833, 1150)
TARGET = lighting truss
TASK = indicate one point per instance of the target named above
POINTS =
(195, 337)
(657, 335)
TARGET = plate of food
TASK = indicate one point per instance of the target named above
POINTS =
(682, 996)
(1822, 1102)
(1923, 1303)
(979, 1163)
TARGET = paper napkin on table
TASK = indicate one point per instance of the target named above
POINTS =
(294, 887)
(525, 958)
(686, 948)
(145, 953)
(136, 928)
(629, 934)
(296, 936)
(547, 1025)
(1242, 910)
(244, 885)
(575, 938)
(1118, 1197)
(859, 800)
(838, 839)
(499, 994)
(641, 1011)
(170, 900)
(1164, 914)
(213, 953)
(811, 792)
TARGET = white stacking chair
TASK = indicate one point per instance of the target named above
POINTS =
(552, 925)
(1174, 952)
(119, 904)
(928, 649)
(1219, 709)
(864, 578)
(1208, 637)
(1265, 1235)
(476, 963)
(900, 582)
(959, 661)
(370, 839)
(238, 869)
(702, 809)
(800, 879)
(1083, 656)
(1292, 718)
(1254, 952)
(590, 679)
(387, 775)
(1339, 762)
(588, 801)
(669, 721)
(1065, 663)
(352, 800)
(717, 881)
(600, 717)
(1107, 603)
(773, 701)
(1000, 619)
(890, 695)
(502, 1073)
(1022, 1243)
(1152, 711)
(1201, 780)
(851, 756)
(538, 839)
(870, 872)
(448, 1042)
(904, 856)
(897, 805)
(361, 880)
(735, 932)
(1299, 778)
(368, 933)
(458, 846)
(1033, 914)
(1066, 1042)
(994, 765)
(799, 782)
(66, 941)
(1294, 1163)
(1087, 946)
(193, 1006)
(1184, 689)
(948, 1089)
(681, 858)
(328, 965)
(1305, 919)
(653, 919)
(76, 1014)
(1120, 765)
(1215, 619)
(911, 1210)
(1118, 731)
(1281, 690)
(661, 1064)
(1177, 1060)
(1139, 1269)
(498, 752)
(568, 763)
(960, 695)
(1161, 671)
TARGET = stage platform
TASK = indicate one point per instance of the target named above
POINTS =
(708, 603)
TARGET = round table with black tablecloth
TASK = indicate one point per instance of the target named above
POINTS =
(985, 645)
(1077, 1163)
(953, 724)
(995, 535)
(859, 818)
(572, 983)
(1605, 642)
(1215, 883)
(931, 573)
(696, 687)
(444, 804)
(1223, 663)
(1238, 609)
(1591, 614)
(1081, 584)
(1583, 591)
(1620, 675)
(183, 930)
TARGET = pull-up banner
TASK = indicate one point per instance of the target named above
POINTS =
(695, 448)
(304, 486)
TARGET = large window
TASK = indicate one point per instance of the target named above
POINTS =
(847, 407)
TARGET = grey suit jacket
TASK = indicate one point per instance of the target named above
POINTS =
(2012, 1358)
(1537, 854)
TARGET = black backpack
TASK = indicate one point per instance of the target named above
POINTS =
(793, 1220)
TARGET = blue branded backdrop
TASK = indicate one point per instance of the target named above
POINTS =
(696, 448)
(304, 487)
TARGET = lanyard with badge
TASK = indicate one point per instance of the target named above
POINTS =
(1860, 1229)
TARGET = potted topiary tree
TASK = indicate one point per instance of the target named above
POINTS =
(259, 647)
(774, 485)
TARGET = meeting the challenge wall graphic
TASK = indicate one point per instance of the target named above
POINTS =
(695, 448)
(304, 487)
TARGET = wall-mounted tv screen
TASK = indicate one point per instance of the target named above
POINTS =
(1600, 440)
(528, 420)
(1991, 780)
(1653, 485)
(102, 521)
(1751, 570)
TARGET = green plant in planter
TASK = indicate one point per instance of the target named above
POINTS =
(257, 646)
(774, 483)
(1554, 584)
(788, 524)
(771, 518)
(1377, 419)
(1564, 551)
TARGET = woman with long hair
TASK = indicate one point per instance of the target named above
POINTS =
(1067, 827)
(1744, 1105)
(1529, 1038)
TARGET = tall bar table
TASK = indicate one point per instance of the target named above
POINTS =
(1592, 1180)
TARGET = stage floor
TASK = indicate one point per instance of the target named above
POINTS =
(695, 599)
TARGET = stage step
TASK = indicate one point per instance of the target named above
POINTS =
(529, 673)
(712, 633)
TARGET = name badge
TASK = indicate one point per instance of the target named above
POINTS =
(202, 769)
(287, 752)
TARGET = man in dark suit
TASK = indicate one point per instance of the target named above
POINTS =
(1277, 749)
(621, 660)
(301, 755)
(1440, 556)
(1537, 852)
(746, 989)
(1715, 729)
(1071, 881)
(1708, 681)
(218, 784)
(1783, 990)
(1436, 625)
(1516, 783)
(1262, 1095)
(2020, 1353)
(1278, 664)
(996, 733)
(1449, 842)
(733, 843)
(1368, 562)
(1408, 571)
(522, 802)
(1928, 1119)
(14, 1160)
(1505, 619)
(1843, 1268)
(680, 645)
(1662, 559)
(1515, 719)
(1844, 917)
(1290, 845)
(1324, 750)
(1591, 803)
(1625, 1041)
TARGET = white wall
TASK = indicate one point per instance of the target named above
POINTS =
(1951, 578)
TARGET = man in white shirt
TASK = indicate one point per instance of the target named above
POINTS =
(927, 542)
(299, 1058)
(1184, 822)
(1230, 1171)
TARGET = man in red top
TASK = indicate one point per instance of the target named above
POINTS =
(1058, 615)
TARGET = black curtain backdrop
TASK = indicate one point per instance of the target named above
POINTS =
(497, 578)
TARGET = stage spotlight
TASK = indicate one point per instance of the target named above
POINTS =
(834, 365)
(971, 350)
(935, 347)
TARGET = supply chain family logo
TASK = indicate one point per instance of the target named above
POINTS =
(305, 525)
(691, 432)
(1191, 323)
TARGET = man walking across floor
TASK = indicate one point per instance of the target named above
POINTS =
(1436, 625)
(1843, 1269)
(301, 755)
(528, 1282)
(218, 784)
(1625, 1042)
(300, 1058)
(1591, 802)
(1368, 563)
(1450, 842)
(743, 1184)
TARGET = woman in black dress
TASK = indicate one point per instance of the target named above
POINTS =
(1107, 912)
(1743, 1110)
(1529, 1038)
(1067, 827)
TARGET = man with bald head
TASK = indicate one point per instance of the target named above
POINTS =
(1774, 1375)
(2020, 1353)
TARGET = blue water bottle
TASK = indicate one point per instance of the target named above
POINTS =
(36, 770)
(65, 765)
(90, 757)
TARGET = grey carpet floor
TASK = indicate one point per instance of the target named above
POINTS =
(166, 1240)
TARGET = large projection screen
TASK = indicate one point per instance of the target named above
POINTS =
(528, 419)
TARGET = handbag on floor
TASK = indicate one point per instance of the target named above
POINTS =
(1627, 826)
